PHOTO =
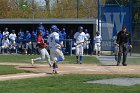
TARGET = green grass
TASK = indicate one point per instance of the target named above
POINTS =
(27, 58)
(133, 61)
(86, 59)
(17, 58)
(4, 70)
(65, 84)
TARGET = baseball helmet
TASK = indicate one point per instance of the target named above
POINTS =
(63, 29)
(6, 29)
(13, 31)
(54, 28)
(86, 30)
(27, 31)
(80, 28)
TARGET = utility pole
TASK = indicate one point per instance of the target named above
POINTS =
(77, 8)
(99, 15)
(33, 11)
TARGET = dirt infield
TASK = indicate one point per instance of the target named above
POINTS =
(45, 70)
(85, 69)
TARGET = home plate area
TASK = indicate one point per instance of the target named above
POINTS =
(83, 69)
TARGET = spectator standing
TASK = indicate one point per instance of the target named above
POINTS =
(97, 41)
(12, 38)
(34, 42)
(42, 28)
(20, 41)
(1, 36)
(28, 44)
(46, 37)
(86, 44)
(5, 33)
(80, 38)
(5, 45)
(63, 39)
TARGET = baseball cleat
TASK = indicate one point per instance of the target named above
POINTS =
(124, 64)
(32, 62)
(118, 64)
(54, 65)
(54, 71)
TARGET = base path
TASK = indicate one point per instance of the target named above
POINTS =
(22, 76)
(106, 66)
(84, 69)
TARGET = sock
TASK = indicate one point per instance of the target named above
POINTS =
(59, 59)
(81, 59)
(77, 59)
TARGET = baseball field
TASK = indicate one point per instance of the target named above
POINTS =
(17, 75)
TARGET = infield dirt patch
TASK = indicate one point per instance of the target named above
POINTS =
(84, 69)
(44, 70)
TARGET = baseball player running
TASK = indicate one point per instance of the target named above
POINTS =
(55, 47)
(80, 38)
(42, 47)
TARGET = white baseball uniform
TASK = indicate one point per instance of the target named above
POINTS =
(5, 43)
(55, 47)
(86, 44)
(80, 39)
(12, 38)
(97, 40)
(5, 34)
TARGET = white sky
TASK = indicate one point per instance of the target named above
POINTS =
(42, 2)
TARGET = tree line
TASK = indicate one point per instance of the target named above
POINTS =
(58, 9)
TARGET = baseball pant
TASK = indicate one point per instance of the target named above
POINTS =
(97, 47)
(44, 54)
(122, 50)
(57, 55)
(79, 50)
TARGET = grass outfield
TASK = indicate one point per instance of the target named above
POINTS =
(4, 70)
(133, 61)
(65, 84)
(27, 59)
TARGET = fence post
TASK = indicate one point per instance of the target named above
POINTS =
(70, 40)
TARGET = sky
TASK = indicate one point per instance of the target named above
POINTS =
(42, 2)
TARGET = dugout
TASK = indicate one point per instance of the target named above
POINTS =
(71, 25)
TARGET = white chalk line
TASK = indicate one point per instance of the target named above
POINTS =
(17, 76)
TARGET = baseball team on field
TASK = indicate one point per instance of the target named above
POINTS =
(55, 46)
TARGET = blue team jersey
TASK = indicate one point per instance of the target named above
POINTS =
(63, 35)
(21, 36)
(1, 36)
(27, 37)
(34, 37)
(60, 36)
(46, 38)
(42, 29)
